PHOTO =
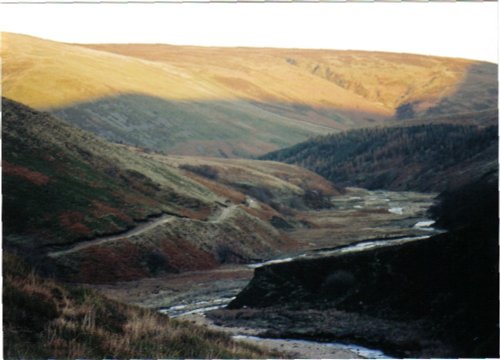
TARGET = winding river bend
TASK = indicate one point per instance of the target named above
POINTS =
(361, 220)
(358, 246)
(199, 308)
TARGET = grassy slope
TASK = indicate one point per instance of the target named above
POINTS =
(422, 157)
(232, 102)
(273, 183)
(95, 86)
(45, 319)
(386, 79)
(62, 185)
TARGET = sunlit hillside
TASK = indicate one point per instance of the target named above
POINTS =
(386, 80)
(231, 102)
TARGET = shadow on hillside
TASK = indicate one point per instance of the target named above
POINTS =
(245, 128)
(476, 93)
(216, 128)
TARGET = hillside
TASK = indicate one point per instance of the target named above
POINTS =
(46, 319)
(423, 84)
(234, 102)
(425, 157)
(104, 212)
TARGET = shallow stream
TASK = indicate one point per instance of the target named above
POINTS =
(407, 209)
(201, 307)
(361, 351)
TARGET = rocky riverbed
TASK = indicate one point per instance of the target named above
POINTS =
(292, 348)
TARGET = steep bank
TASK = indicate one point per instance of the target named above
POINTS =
(431, 298)
(46, 319)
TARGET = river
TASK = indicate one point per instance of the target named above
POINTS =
(361, 220)
(186, 310)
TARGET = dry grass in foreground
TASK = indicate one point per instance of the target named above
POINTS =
(44, 319)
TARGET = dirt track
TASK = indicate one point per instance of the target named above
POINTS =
(142, 228)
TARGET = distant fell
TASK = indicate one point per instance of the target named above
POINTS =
(234, 102)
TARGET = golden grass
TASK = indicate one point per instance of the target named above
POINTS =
(374, 83)
(34, 68)
(386, 80)
(277, 177)
(233, 102)
(46, 319)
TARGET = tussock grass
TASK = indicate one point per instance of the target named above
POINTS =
(44, 319)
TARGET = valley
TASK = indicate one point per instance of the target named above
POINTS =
(383, 296)
(168, 201)
(331, 229)
(190, 295)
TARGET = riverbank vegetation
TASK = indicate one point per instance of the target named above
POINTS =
(45, 319)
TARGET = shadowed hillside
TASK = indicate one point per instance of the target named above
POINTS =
(423, 157)
(233, 102)
(62, 185)
(103, 212)
(199, 127)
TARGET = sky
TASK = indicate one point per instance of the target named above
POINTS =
(465, 29)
